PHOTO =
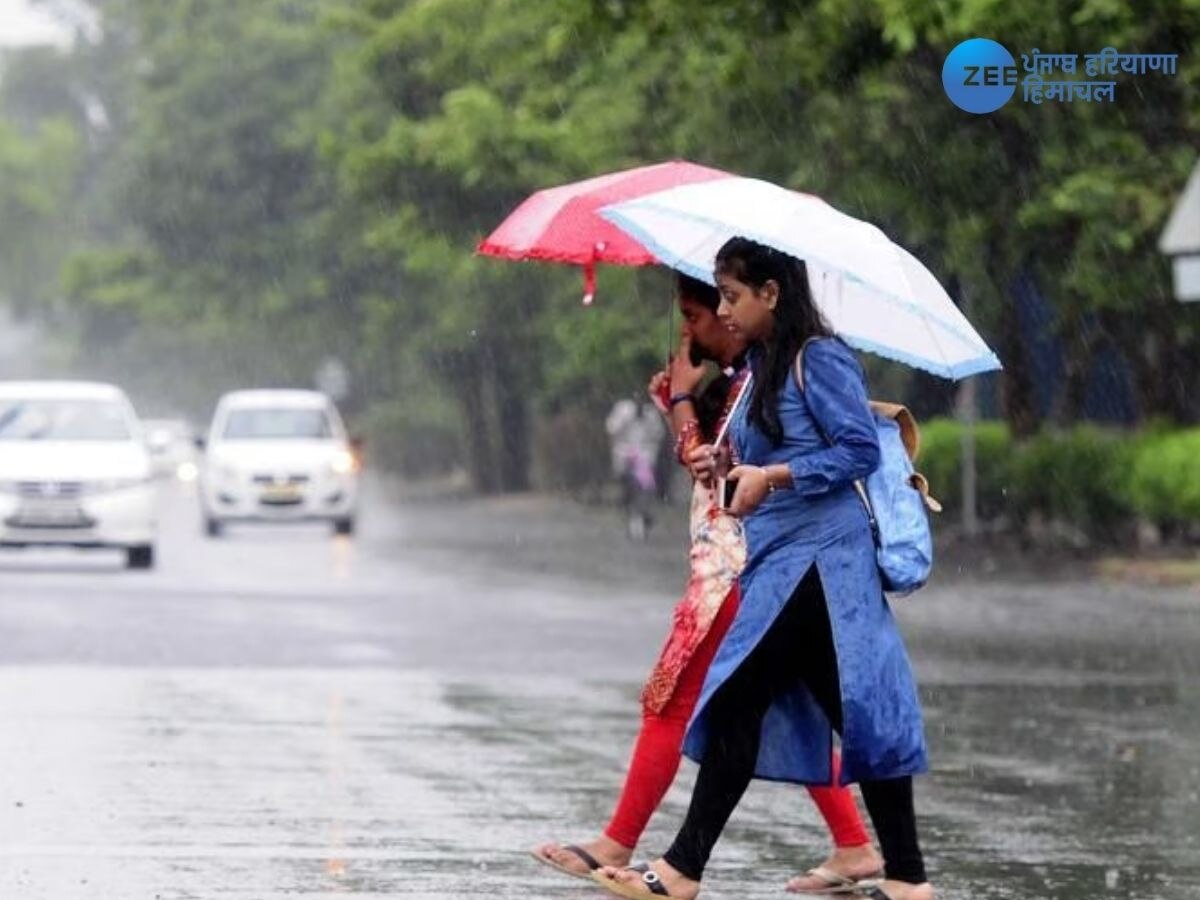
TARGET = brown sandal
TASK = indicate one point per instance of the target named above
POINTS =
(835, 883)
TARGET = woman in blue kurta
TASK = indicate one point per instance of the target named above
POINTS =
(814, 648)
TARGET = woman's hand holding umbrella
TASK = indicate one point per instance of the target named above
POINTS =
(706, 462)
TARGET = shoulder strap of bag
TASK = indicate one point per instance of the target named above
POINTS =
(910, 432)
(799, 365)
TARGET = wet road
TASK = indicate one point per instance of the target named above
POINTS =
(283, 713)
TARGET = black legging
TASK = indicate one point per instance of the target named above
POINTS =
(797, 647)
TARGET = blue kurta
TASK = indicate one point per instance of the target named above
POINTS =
(821, 522)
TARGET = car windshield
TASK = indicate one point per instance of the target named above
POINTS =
(277, 424)
(50, 419)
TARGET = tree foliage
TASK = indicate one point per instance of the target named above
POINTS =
(277, 181)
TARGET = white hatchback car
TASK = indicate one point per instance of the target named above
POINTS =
(74, 470)
(278, 456)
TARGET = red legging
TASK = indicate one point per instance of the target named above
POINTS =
(659, 748)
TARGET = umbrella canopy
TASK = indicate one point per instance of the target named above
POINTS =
(560, 224)
(874, 293)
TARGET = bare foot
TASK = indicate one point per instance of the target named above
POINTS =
(603, 849)
(676, 885)
(854, 863)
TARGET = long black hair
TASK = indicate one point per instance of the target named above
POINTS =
(689, 288)
(796, 320)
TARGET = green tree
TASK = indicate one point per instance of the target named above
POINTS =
(37, 170)
(459, 109)
(275, 181)
(219, 255)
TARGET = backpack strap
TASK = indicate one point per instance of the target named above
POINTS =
(910, 433)
(799, 364)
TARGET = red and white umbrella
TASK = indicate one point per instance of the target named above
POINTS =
(560, 224)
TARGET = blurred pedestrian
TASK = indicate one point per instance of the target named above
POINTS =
(814, 648)
(700, 622)
(636, 432)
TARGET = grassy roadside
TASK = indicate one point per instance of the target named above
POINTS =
(1168, 572)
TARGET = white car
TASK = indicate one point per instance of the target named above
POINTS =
(278, 456)
(74, 470)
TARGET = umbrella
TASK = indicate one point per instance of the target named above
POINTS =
(874, 293)
(560, 224)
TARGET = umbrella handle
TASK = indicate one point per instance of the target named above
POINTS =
(744, 392)
(589, 283)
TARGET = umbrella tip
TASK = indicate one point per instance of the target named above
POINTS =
(588, 298)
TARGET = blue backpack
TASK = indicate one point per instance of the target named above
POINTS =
(896, 497)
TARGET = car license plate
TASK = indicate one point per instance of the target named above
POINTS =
(49, 514)
(281, 495)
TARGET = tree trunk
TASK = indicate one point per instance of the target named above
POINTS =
(513, 426)
(1164, 366)
(1182, 400)
(1079, 347)
(472, 388)
(1018, 398)
(1185, 397)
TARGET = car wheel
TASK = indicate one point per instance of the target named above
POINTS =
(139, 557)
(213, 527)
(343, 526)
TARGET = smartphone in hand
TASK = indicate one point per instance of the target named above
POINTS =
(725, 491)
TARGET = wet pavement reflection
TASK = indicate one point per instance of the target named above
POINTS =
(279, 714)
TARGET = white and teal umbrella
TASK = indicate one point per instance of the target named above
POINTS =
(874, 293)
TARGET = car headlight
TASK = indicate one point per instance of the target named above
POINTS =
(343, 463)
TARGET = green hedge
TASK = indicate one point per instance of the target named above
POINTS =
(1077, 477)
(1094, 480)
(1164, 478)
(941, 462)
